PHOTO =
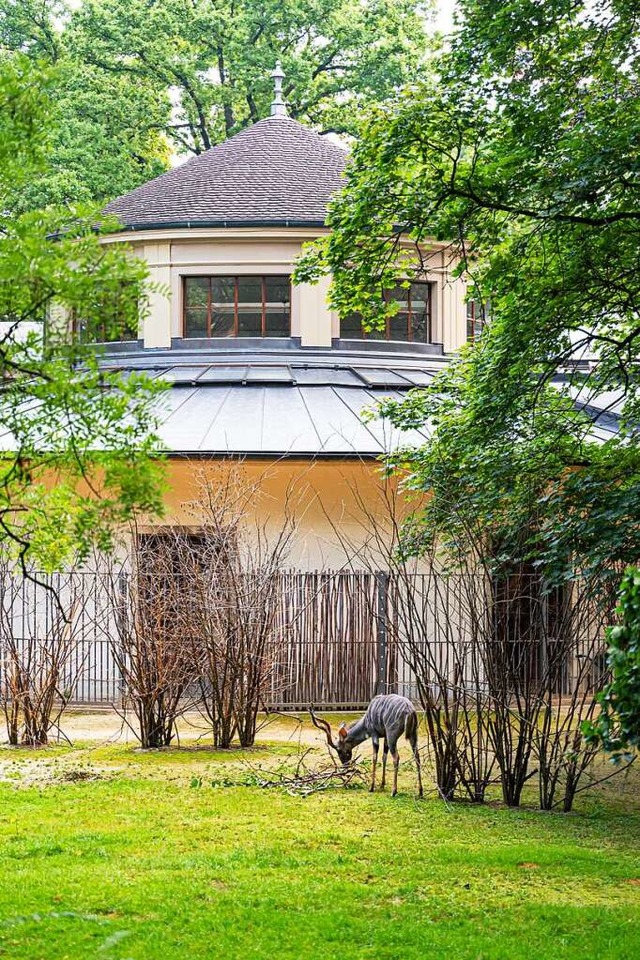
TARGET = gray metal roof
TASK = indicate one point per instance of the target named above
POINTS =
(279, 403)
(604, 409)
(265, 400)
(276, 172)
(275, 421)
(261, 399)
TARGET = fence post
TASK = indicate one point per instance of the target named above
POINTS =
(382, 589)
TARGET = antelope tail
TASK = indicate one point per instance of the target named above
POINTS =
(411, 725)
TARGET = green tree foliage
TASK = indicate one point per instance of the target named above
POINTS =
(216, 56)
(524, 158)
(618, 727)
(105, 132)
(136, 81)
(77, 444)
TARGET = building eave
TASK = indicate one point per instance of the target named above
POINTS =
(274, 455)
(224, 224)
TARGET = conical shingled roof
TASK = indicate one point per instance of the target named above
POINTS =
(275, 173)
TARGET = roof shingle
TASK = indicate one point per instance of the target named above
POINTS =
(275, 173)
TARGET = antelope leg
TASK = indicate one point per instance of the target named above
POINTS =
(385, 754)
(376, 747)
(396, 763)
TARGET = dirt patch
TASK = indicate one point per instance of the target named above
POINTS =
(106, 726)
(46, 772)
(74, 776)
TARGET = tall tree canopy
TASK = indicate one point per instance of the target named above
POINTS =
(216, 55)
(137, 81)
(77, 444)
(104, 133)
(524, 156)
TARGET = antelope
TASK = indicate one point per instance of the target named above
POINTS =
(388, 716)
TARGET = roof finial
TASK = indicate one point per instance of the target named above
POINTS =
(278, 107)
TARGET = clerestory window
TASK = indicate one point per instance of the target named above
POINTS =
(243, 306)
(105, 333)
(477, 318)
(113, 320)
(411, 323)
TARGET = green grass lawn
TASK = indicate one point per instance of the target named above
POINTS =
(150, 860)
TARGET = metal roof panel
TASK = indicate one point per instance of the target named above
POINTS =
(182, 374)
(190, 422)
(235, 416)
(379, 377)
(224, 373)
(288, 426)
(339, 429)
(326, 376)
(261, 373)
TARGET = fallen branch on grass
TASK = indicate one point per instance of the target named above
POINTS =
(304, 781)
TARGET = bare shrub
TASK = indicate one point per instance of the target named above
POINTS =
(198, 621)
(149, 645)
(426, 621)
(573, 672)
(41, 656)
(540, 650)
(441, 647)
(505, 666)
(235, 587)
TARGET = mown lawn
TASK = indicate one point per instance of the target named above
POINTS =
(151, 860)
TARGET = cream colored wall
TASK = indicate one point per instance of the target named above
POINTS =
(325, 497)
(452, 331)
(156, 330)
(317, 322)
(174, 254)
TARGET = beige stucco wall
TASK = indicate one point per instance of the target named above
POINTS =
(156, 330)
(174, 254)
(338, 506)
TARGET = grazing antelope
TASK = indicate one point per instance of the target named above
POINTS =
(388, 716)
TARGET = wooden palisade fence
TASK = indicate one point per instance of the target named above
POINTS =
(340, 636)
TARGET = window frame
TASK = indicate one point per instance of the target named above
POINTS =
(477, 317)
(81, 333)
(236, 281)
(125, 335)
(374, 335)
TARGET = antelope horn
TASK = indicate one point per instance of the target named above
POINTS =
(322, 725)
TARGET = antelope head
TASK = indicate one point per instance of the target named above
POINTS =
(343, 747)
